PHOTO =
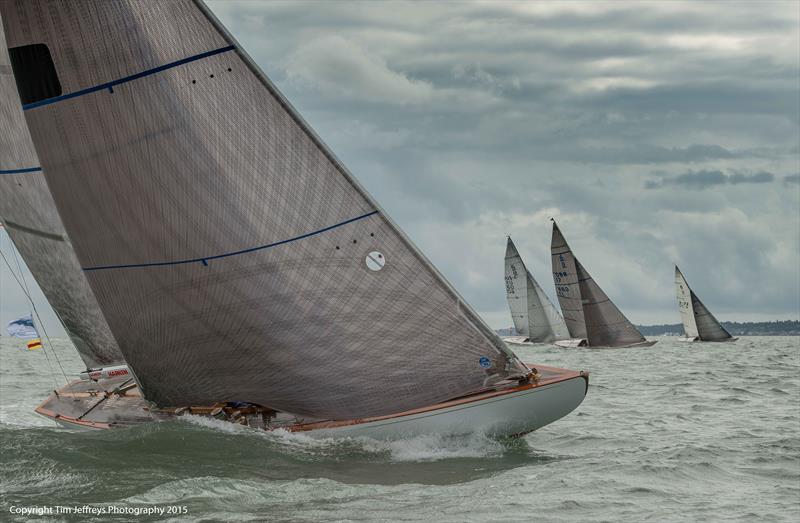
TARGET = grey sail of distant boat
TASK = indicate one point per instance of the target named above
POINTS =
(588, 312)
(31, 220)
(533, 313)
(698, 322)
(233, 255)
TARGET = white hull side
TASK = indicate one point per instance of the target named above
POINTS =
(698, 340)
(571, 343)
(513, 414)
(517, 340)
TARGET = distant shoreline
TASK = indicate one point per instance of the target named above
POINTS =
(748, 328)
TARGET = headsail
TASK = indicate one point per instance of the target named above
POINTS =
(534, 315)
(604, 323)
(704, 323)
(606, 326)
(29, 214)
(233, 255)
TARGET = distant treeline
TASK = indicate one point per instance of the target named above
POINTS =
(747, 328)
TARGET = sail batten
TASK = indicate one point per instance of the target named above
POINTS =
(333, 313)
(31, 220)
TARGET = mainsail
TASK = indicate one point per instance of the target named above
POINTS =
(234, 256)
(603, 323)
(565, 276)
(532, 311)
(29, 215)
(684, 294)
(697, 319)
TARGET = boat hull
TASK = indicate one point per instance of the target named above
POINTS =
(571, 343)
(512, 414)
(697, 339)
(512, 410)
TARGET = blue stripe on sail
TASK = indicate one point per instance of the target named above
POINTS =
(205, 259)
(21, 171)
(110, 85)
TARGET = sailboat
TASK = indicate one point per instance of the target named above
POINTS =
(698, 322)
(243, 271)
(589, 313)
(535, 318)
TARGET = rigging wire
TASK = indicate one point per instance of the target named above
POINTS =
(26, 291)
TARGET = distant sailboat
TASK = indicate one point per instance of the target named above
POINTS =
(535, 318)
(588, 312)
(242, 269)
(698, 322)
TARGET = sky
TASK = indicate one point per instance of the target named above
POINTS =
(655, 133)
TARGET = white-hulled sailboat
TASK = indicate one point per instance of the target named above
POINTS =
(589, 313)
(243, 271)
(698, 322)
(535, 318)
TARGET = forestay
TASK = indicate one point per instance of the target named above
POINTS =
(30, 217)
(233, 255)
(533, 314)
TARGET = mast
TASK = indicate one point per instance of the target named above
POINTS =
(32, 222)
(231, 252)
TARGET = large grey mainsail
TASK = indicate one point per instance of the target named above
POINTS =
(565, 277)
(233, 255)
(697, 319)
(29, 214)
(604, 323)
(533, 313)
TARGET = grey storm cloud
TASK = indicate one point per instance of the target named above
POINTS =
(705, 179)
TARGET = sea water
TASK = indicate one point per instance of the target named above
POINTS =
(673, 432)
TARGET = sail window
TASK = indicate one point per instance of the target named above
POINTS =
(34, 72)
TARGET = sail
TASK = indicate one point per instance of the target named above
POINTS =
(533, 314)
(685, 307)
(606, 326)
(565, 278)
(233, 255)
(547, 314)
(30, 218)
(517, 290)
(703, 323)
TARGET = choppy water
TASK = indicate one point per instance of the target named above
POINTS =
(676, 432)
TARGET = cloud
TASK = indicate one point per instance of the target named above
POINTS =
(339, 66)
(706, 179)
